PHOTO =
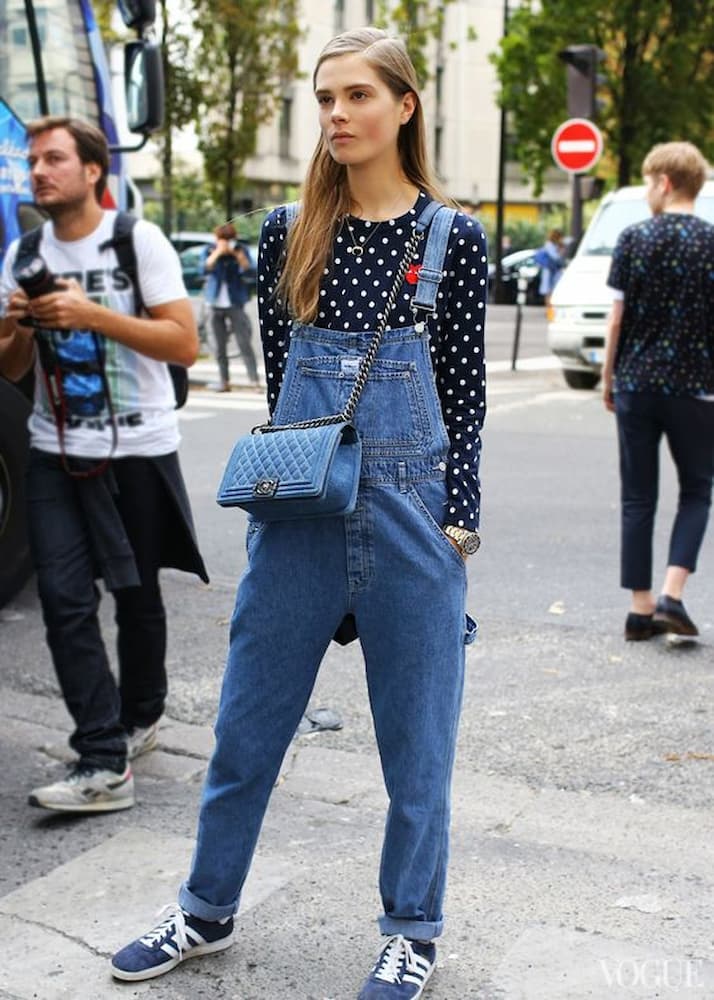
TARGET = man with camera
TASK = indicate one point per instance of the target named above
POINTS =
(104, 487)
(227, 295)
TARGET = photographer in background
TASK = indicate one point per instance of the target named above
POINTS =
(227, 295)
(104, 488)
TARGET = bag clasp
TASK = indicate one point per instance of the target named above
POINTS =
(266, 487)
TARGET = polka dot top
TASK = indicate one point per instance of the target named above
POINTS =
(351, 295)
(664, 267)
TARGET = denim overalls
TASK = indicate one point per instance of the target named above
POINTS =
(389, 564)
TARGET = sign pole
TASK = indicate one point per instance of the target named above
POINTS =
(576, 221)
(576, 147)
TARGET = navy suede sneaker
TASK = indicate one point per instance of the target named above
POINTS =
(401, 971)
(179, 936)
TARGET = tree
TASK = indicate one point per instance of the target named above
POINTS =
(247, 53)
(182, 96)
(192, 204)
(181, 89)
(417, 22)
(658, 76)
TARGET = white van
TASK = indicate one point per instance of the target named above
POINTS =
(581, 300)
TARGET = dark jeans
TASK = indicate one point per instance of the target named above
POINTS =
(66, 569)
(688, 425)
(235, 320)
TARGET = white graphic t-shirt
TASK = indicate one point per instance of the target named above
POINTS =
(140, 388)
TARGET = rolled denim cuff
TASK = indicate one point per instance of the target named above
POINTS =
(414, 930)
(198, 907)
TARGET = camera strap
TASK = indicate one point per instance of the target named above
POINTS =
(52, 377)
(54, 370)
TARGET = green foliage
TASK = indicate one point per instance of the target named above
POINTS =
(194, 206)
(521, 235)
(417, 22)
(525, 235)
(247, 53)
(182, 89)
(658, 77)
(104, 11)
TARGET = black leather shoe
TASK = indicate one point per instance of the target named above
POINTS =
(638, 627)
(670, 616)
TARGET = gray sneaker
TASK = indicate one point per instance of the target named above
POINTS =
(140, 740)
(87, 789)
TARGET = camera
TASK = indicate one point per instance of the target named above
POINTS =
(35, 279)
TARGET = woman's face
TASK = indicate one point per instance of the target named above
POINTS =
(359, 115)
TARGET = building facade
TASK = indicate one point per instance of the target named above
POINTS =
(460, 103)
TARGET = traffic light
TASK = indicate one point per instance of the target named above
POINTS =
(583, 79)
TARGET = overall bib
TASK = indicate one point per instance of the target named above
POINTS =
(392, 567)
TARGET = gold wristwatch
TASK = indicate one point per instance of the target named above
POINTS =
(466, 540)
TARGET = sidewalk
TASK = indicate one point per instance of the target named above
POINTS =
(205, 371)
(554, 895)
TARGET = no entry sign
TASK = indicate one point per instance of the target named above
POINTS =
(576, 145)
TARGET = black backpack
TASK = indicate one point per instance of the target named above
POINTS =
(122, 242)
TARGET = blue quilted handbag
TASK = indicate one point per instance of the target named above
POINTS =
(294, 472)
(310, 468)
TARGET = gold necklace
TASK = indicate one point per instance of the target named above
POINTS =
(357, 249)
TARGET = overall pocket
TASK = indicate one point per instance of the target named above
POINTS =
(391, 414)
(429, 500)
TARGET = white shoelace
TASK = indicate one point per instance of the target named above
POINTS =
(396, 950)
(175, 921)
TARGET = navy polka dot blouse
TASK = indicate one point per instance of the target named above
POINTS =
(353, 292)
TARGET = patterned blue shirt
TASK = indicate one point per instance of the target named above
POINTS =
(351, 295)
(665, 269)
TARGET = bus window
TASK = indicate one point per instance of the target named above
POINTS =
(66, 62)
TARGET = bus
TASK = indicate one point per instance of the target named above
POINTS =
(53, 61)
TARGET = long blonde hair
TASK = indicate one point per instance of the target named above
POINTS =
(325, 194)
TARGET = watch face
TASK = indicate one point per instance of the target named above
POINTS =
(470, 545)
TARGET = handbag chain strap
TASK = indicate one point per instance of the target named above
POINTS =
(363, 371)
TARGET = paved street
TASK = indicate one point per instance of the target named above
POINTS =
(581, 855)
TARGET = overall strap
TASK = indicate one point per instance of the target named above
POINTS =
(432, 269)
(291, 213)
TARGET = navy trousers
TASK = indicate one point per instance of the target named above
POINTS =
(687, 423)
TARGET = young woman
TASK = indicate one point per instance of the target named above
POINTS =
(397, 565)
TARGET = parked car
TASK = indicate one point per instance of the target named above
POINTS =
(512, 265)
(183, 240)
(192, 259)
(581, 300)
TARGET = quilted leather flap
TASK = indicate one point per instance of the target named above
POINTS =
(283, 463)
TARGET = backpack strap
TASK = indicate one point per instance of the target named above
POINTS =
(432, 269)
(291, 213)
(122, 242)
